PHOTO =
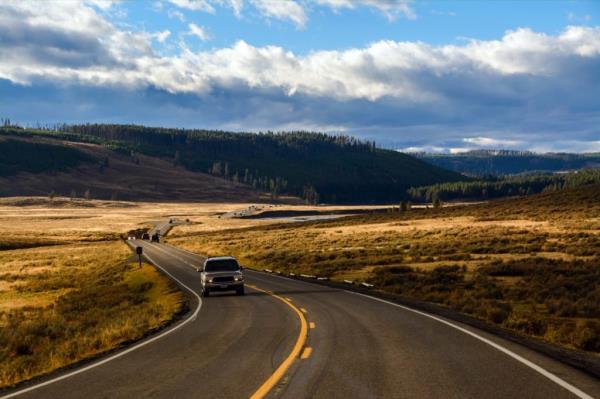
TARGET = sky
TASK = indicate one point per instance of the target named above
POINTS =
(437, 76)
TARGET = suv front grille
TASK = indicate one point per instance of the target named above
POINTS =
(225, 279)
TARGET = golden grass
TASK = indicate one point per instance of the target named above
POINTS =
(67, 288)
(505, 262)
(76, 220)
(68, 291)
(64, 303)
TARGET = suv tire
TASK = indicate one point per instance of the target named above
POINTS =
(239, 291)
(205, 292)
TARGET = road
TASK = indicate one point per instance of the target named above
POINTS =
(360, 347)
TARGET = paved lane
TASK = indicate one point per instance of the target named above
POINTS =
(359, 348)
(363, 348)
(366, 348)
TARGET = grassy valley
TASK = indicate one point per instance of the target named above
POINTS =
(70, 288)
(529, 264)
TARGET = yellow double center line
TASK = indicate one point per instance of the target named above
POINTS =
(285, 365)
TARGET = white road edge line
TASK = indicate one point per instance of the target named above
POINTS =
(124, 352)
(552, 377)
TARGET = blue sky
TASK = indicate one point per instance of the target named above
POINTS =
(412, 75)
(327, 28)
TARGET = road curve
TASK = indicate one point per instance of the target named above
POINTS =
(360, 347)
(231, 347)
(366, 348)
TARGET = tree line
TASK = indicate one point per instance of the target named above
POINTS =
(315, 166)
(496, 187)
(506, 162)
(22, 156)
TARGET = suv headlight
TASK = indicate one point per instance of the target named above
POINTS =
(239, 278)
(208, 279)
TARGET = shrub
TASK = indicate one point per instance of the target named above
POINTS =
(498, 313)
(587, 336)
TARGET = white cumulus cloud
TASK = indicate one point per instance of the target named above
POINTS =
(282, 9)
(195, 5)
(74, 42)
(176, 14)
(162, 36)
(521, 87)
(199, 32)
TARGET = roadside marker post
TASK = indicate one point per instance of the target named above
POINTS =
(139, 250)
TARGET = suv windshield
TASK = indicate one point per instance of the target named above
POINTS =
(225, 265)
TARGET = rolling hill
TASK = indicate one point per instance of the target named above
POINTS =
(22, 156)
(38, 166)
(316, 167)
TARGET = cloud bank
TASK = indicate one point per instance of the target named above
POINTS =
(526, 89)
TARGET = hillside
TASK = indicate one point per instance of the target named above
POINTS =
(72, 169)
(317, 167)
(481, 163)
(570, 204)
(22, 156)
(577, 203)
(506, 186)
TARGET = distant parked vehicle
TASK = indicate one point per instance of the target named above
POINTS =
(155, 237)
(222, 274)
(171, 221)
(145, 236)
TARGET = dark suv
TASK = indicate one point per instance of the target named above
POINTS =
(221, 274)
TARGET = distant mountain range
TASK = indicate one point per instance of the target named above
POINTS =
(504, 162)
(316, 167)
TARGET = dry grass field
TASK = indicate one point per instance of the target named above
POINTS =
(530, 264)
(68, 287)
(64, 303)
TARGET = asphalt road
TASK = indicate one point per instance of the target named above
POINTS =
(360, 348)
